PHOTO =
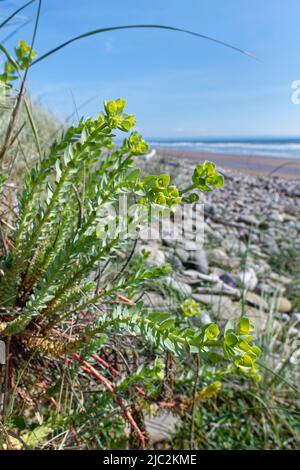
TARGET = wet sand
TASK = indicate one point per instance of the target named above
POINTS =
(252, 164)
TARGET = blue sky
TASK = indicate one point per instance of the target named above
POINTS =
(176, 85)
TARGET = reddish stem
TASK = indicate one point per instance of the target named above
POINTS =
(115, 372)
(111, 388)
(57, 406)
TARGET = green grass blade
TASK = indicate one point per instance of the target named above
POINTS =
(139, 26)
(15, 13)
(280, 377)
(8, 56)
(33, 128)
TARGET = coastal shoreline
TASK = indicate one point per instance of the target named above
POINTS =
(255, 165)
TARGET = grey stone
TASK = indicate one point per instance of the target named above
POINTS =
(264, 288)
(198, 261)
(209, 210)
(205, 319)
(180, 287)
(219, 289)
(277, 217)
(182, 254)
(175, 262)
(248, 219)
(296, 317)
(155, 300)
(219, 258)
(229, 280)
(281, 279)
(190, 245)
(192, 273)
(160, 428)
(285, 317)
(221, 305)
(248, 279)
(233, 244)
(256, 301)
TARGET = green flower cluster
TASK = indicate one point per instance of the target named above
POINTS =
(205, 177)
(211, 332)
(190, 308)
(116, 118)
(209, 391)
(159, 192)
(135, 144)
(24, 56)
(236, 344)
(237, 347)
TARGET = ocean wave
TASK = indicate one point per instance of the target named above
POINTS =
(276, 149)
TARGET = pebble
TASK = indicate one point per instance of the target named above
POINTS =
(296, 317)
(180, 287)
(283, 305)
(198, 260)
(219, 258)
(205, 319)
(182, 254)
(221, 305)
(256, 301)
(161, 427)
(229, 280)
(248, 279)
(155, 300)
(248, 219)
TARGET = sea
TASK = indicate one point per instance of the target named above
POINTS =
(270, 147)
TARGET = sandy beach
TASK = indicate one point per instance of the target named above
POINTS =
(251, 164)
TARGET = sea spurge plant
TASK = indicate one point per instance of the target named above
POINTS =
(57, 243)
(211, 332)
(205, 178)
(190, 308)
(116, 118)
(64, 262)
(135, 144)
(158, 191)
(25, 54)
(233, 347)
(12, 67)
(209, 391)
(239, 348)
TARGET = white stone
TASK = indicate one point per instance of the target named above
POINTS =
(248, 279)
(160, 428)
(181, 287)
